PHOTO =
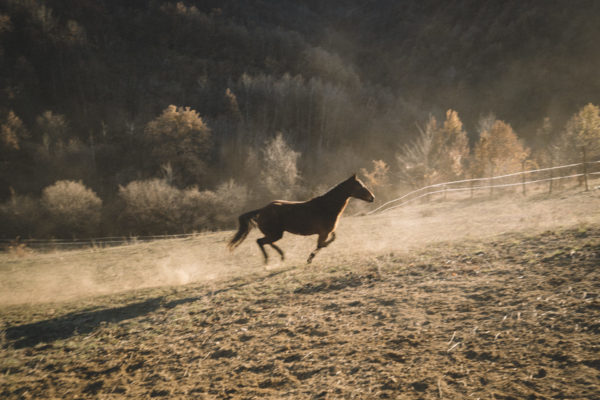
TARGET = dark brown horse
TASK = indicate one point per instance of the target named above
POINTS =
(318, 216)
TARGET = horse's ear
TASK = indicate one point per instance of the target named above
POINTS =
(353, 176)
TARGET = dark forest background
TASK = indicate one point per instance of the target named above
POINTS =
(129, 117)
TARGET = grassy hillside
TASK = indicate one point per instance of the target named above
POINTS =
(445, 300)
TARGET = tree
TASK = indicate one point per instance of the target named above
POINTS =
(54, 130)
(543, 143)
(498, 151)
(279, 170)
(450, 148)
(378, 176)
(582, 136)
(12, 132)
(233, 108)
(15, 165)
(378, 179)
(439, 154)
(583, 131)
(20, 216)
(415, 164)
(179, 137)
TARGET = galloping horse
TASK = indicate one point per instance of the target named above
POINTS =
(318, 216)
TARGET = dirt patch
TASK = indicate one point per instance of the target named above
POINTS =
(513, 318)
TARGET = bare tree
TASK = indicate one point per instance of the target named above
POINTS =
(416, 168)
(279, 170)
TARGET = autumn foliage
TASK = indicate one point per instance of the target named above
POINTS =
(282, 99)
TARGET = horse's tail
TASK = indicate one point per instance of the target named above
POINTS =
(246, 223)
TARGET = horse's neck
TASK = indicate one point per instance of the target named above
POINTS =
(336, 199)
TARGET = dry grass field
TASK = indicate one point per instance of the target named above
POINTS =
(495, 299)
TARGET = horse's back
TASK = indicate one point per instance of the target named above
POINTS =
(299, 217)
(285, 202)
(282, 209)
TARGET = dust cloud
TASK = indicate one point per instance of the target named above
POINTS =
(66, 275)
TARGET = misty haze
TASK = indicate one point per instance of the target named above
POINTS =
(139, 140)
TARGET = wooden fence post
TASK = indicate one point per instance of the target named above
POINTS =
(472, 183)
(585, 173)
(523, 177)
(551, 174)
(492, 182)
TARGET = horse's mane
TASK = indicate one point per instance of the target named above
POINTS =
(337, 186)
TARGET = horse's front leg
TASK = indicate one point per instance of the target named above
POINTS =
(331, 239)
(322, 242)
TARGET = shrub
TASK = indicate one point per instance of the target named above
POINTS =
(150, 206)
(197, 210)
(72, 208)
(230, 200)
(155, 207)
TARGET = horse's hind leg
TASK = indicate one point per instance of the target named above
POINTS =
(273, 245)
(269, 240)
(261, 244)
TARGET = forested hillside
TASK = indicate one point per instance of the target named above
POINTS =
(201, 101)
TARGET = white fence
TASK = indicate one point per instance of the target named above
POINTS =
(100, 242)
(446, 187)
(438, 188)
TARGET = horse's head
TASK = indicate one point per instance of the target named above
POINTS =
(358, 189)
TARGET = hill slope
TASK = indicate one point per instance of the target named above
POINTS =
(491, 299)
(515, 317)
